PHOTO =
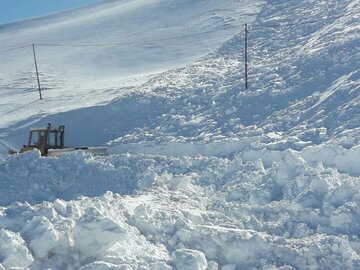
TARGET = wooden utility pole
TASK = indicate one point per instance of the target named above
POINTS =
(246, 57)
(37, 71)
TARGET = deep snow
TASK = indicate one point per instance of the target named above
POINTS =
(202, 173)
(249, 211)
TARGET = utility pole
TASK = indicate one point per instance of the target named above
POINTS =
(246, 57)
(37, 71)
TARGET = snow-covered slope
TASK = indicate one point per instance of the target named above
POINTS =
(304, 82)
(203, 173)
(302, 86)
(118, 45)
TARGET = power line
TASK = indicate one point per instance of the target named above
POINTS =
(118, 44)
(170, 38)
(23, 106)
(132, 42)
(16, 48)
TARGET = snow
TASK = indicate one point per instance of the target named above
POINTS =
(141, 38)
(201, 173)
(186, 212)
(189, 259)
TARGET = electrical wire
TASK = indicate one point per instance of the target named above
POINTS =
(151, 41)
(148, 41)
(20, 107)
(16, 48)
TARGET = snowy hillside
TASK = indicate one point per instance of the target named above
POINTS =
(203, 174)
(91, 55)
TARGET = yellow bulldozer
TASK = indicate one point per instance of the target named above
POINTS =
(50, 142)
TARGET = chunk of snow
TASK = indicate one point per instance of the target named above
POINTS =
(13, 251)
(186, 259)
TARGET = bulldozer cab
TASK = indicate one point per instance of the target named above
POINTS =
(45, 139)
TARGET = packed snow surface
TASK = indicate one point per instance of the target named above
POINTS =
(202, 173)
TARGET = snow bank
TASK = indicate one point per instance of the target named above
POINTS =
(34, 178)
(252, 148)
(345, 160)
(218, 148)
(330, 155)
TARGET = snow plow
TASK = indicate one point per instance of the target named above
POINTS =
(50, 142)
